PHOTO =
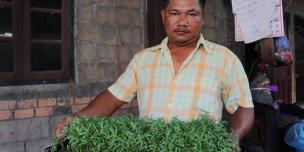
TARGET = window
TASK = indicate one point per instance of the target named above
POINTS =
(34, 40)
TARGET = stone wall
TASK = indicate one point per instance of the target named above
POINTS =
(214, 28)
(107, 34)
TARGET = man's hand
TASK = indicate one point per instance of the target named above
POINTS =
(62, 125)
(105, 104)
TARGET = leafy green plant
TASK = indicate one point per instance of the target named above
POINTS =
(130, 134)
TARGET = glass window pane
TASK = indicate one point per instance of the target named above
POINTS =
(45, 57)
(5, 0)
(6, 57)
(53, 4)
(6, 22)
(45, 25)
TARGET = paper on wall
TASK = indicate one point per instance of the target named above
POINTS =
(238, 32)
(278, 2)
(254, 18)
(277, 24)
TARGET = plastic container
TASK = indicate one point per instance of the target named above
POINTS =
(295, 136)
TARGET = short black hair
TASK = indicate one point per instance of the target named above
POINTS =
(166, 3)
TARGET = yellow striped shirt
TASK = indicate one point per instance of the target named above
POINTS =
(210, 78)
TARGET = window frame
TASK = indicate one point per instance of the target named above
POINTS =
(21, 40)
(15, 40)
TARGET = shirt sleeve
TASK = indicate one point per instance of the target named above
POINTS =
(125, 87)
(236, 91)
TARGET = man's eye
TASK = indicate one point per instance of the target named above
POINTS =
(173, 13)
(192, 14)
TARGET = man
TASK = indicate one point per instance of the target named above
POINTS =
(183, 77)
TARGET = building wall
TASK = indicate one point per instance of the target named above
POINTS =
(296, 7)
(107, 34)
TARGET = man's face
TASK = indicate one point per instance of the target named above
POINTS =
(183, 20)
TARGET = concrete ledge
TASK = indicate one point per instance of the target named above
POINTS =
(37, 145)
(12, 147)
(51, 90)
(24, 129)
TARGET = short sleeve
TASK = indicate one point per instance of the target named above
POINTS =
(125, 87)
(235, 90)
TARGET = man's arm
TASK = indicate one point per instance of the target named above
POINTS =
(241, 122)
(105, 104)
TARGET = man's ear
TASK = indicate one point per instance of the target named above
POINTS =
(163, 15)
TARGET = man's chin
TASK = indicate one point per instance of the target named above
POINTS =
(183, 41)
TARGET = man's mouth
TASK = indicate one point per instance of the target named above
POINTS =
(181, 31)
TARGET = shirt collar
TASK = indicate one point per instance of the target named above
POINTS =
(201, 42)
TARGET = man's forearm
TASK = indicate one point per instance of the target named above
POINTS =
(241, 122)
(104, 104)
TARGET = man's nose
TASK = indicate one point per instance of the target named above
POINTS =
(183, 20)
